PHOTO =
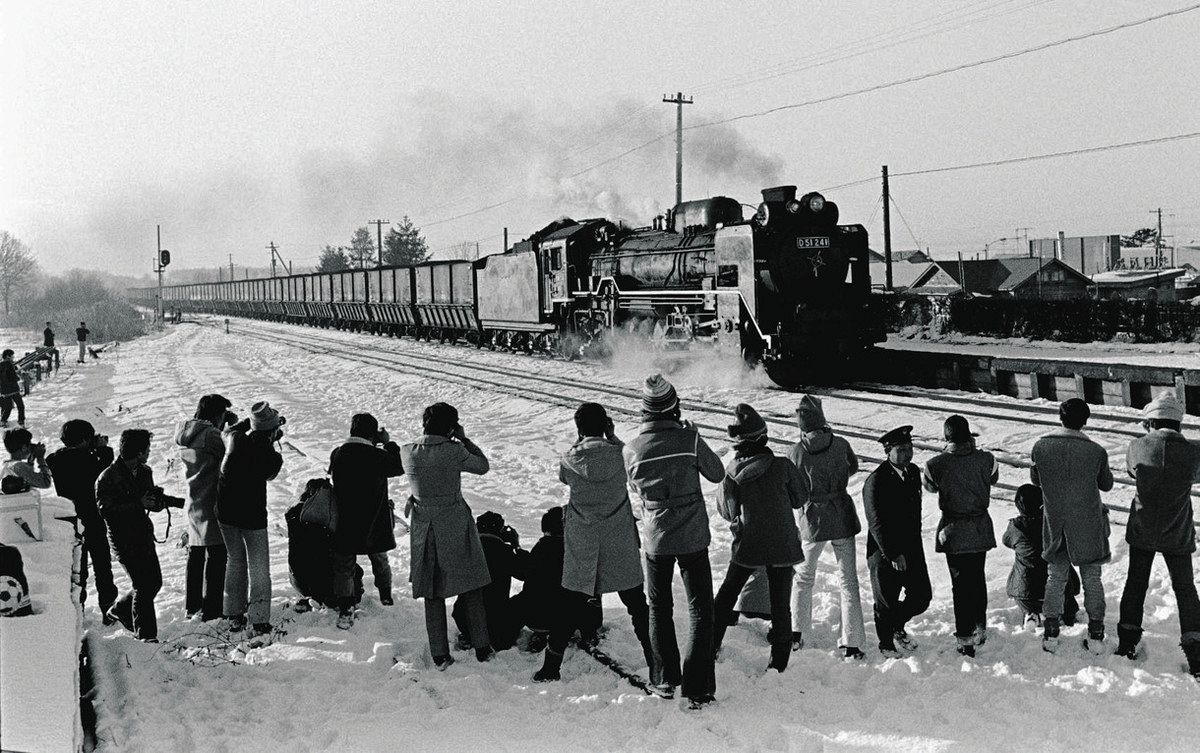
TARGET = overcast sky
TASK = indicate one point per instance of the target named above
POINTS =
(234, 124)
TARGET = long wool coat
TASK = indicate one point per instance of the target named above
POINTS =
(1165, 465)
(1072, 471)
(360, 471)
(602, 548)
(826, 462)
(201, 450)
(447, 558)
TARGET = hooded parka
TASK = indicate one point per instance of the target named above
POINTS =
(758, 494)
(602, 547)
(201, 450)
(826, 462)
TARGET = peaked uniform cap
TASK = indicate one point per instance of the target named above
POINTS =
(1165, 407)
(899, 435)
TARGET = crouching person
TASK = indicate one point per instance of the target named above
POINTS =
(602, 551)
(895, 553)
(505, 560)
(758, 496)
(360, 470)
(446, 555)
(126, 494)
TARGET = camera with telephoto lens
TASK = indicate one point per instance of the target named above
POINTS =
(100, 440)
(229, 419)
(156, 500)
(509, 535)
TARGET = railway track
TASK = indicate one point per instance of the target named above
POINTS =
(522, 383)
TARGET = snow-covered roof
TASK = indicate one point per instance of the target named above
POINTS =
(1136, 277)
(904, 273)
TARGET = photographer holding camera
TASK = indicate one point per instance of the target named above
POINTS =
(251, 460)
(75, 467)
(126, 494)
(23, 455)
(505, 560)
(360, 469)
(202, 449)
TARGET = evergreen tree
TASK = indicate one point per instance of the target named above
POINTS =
(333, 260)
(362, 249)
(404, 245)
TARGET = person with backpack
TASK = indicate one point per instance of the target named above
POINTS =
(446, 556)
(10, 389)
(1072, 470)
(665, 461)
(963, 477)
(81, 336)
(826, 463)
(75, 467)
(310, 550)
(1165, 465)
(758, 496)
(602, 550)
(251, 460)
(126, 495)
(201, 448)
(360, 469)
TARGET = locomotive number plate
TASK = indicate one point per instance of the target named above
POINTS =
(813, 242)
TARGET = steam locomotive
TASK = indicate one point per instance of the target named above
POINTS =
(788, 288)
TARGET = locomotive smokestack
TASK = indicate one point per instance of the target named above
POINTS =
(781, 194)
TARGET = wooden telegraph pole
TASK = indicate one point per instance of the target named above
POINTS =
(679, 101)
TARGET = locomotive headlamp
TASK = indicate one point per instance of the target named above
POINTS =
(816, 203)
(764, 214)
(793, 206)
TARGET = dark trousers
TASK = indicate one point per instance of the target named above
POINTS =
(6, 406)
(969, 587)
(205, 580)
(136, 608)
(435, 622)
(580, 613)
(698, 678)
(343, 576)
(1183, 582)
(779, 585)
(892, 613)
(95, 549)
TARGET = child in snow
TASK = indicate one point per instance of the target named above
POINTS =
(1027, 580)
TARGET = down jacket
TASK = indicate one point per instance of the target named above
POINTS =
(826, 462)
(447, 557)
(201, 450)
(757, 497)
(602, 548)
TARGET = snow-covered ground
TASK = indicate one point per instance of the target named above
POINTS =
(1184, 355)
(319, 688)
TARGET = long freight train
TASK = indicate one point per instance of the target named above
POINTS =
(789, 287)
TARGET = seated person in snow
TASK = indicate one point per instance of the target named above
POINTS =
(1027, 580)
(505, 560)
(23, 454)
(543, 596)
(310, 561)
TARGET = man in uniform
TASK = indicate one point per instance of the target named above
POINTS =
(895, 553)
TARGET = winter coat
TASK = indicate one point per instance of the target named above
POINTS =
(310, 560)
(447, 558)
(1164, 465)
(1027, 579)
(602, 547)
(37, 478)
(892, 507)
(360, 473)
(119, 493)
(664, 462)
(1072, 471)
(47, 338)
(504, 562)
(81, 334)
(758, 494)
(542, 600)
(10, 380)
(963, 476)
(75, 470)
(826, 464)
(202, 450)
(250, 462)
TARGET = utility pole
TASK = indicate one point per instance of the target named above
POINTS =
(231, 267)
(1158, 239)
(1023, 232)
(887, 229)
(505, 239)
(379, 235)
(679, 101)
(158, 268)
(271, 246)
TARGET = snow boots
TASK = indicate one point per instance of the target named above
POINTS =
(443, 662)
(781, 651)
(1095, 637)
(550, 667)
(1050, 633)
(385, 598)
(1191, 649)
(903, 640)
(852, 653)
(345, 619)
(1127, 641)
(797, 641)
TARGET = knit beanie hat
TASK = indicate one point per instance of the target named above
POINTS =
(658, 395)
(812, 417)
(1166, 407)
(265, 418)
(749, 425)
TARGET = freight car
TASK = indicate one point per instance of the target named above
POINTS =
(789, 288)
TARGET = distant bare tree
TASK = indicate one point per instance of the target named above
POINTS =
(18, 267)
(468, 250)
